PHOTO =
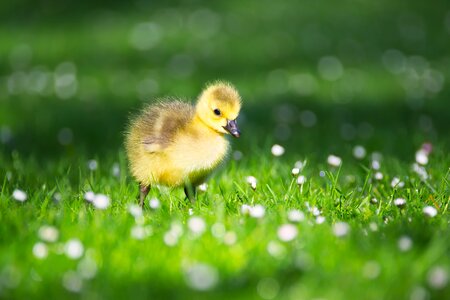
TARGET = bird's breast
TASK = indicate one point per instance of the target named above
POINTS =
(194, 153)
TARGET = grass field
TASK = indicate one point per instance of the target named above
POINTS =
(355, 95)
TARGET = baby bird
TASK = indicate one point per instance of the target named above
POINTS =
(174, 144)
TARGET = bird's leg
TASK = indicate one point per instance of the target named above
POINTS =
(143, 192)
(190, 192)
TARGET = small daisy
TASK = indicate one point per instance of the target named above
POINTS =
(404, 243)
(334, 161)
(438, 277)
(202, 277)
(203, 187)
(300, 164)
(74, 249)
(287, 232)
(48, 233)
(154, 203)
(277, 150)
(301, 180)
(230, 238)
(295, 171)
(258, 211)
(92, 165)
(320, 219)
(245, 209)
(89, 196)
(430, 211)
(421, 157)
(341, 229)
(40, 250)
(396, 182)
(359, 152)
(400, 202)
(296, 215)
(378, 176)
(376, 164)
(135, 210)
(19, 195)
(197, 225)
(101, 201)
(252, 181)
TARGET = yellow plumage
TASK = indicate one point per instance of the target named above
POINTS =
(173, 143)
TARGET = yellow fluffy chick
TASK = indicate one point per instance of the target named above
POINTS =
(175, 144)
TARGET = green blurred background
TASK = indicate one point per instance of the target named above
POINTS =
(317, 77)
(313, 74)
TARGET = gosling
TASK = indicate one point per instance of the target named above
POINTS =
(175, 144)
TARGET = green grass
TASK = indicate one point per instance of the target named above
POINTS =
(261, 48)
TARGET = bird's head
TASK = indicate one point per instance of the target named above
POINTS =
(218, 107)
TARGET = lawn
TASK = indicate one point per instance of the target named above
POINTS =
(338, 187)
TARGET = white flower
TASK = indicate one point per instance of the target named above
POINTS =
(135, 210)
(40, 250)
(19, 195)
(422, 157)
(89, 196)
(203, 187)
(295, 171)
(92, 165)
(301, 180)
(170, 238)
(320, 219)
(196, 225)
(154, 203)
(315, 211)
(378, 176)
(277, 150)
(252, 181)
(245, 209)
(48, 233)
(359, 152)
(341, 229)
(72, 281)
(296, 215)
(430, 211)
(101, 201)
(258, 211)
(115, 170)
(376, 164)
(334, 161)
(396, 182)
(419, 170)
(276, 249)
(230, 238)
(399, 202)
(404, 243)
(87, 267)
(438, 278)
(300, 164)
(202, 277)
(139, 232)
(74, 248)
(287, 232)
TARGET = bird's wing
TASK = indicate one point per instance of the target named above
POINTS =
(163, 121)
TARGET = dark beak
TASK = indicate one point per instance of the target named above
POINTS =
(232, 128)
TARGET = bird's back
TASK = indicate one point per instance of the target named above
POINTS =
(153, 130)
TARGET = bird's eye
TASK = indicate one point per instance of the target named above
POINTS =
(217, 112)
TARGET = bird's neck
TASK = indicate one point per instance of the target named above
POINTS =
(199, 125)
